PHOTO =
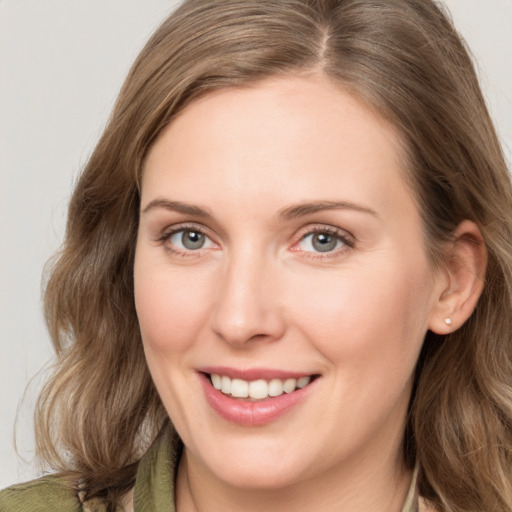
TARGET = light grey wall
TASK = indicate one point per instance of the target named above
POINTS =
(61, 65)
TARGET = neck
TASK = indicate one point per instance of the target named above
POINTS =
(365, 487)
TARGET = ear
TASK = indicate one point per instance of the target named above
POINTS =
(461, 281)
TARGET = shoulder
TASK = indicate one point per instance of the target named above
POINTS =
(46, 494)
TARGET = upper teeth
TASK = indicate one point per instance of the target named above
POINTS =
(257, 389)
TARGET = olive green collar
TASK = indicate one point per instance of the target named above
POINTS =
(154, 485)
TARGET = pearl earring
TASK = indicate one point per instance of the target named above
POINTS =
(448, 321)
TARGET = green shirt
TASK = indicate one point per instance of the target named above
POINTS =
(154, 487)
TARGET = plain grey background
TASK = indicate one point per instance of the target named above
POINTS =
(61, 65)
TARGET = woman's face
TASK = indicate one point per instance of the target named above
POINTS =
(280, 247)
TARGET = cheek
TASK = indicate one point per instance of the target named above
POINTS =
(373, 317)
(170, 308)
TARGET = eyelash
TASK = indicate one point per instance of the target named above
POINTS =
(167, 235)
(342, 236)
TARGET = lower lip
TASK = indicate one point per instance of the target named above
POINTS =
(251, 414)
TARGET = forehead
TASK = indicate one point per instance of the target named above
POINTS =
(294, 138)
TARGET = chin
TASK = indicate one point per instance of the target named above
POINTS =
(256, 476)
(256, 465)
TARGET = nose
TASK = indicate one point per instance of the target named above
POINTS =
(247, 307)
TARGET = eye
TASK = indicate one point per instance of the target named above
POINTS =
(324, 241)
(184, 240)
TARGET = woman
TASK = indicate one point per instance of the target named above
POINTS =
(292, 243)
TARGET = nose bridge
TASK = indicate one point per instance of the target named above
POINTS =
(247, 307)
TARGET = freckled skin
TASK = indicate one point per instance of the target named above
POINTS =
(258, 295)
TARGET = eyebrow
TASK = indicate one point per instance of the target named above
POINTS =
(300, 210)
(176, 206)
(288, 213)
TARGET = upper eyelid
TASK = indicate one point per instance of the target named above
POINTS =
(310, 228)
(216, 233)
(322, 228)
(185, 226)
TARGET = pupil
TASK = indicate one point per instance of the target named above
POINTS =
(192, 239)
(324, 243)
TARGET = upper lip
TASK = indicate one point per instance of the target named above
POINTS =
(251, 374)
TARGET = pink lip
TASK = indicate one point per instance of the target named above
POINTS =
(248, 413)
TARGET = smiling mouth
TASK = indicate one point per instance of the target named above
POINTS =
(260, 389)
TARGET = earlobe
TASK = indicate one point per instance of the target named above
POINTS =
(463, 279)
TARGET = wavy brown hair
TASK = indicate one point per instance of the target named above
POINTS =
(100, 411)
